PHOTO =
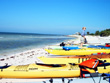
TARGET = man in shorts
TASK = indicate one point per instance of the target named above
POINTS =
(83, 38)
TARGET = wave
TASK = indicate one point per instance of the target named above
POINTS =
(1, 37)
(47, 37)
(5, 38)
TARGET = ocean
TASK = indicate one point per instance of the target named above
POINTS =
(18, 42)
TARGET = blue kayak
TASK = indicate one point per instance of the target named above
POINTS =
(70, 48)
(98, 46)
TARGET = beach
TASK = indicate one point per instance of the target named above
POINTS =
(43, 39)
(30, 56)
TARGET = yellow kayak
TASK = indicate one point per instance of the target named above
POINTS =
(39, 70)
(84, 51)
(51, 60)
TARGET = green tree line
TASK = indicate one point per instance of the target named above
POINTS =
(101, 33)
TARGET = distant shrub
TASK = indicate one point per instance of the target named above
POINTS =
(101, 33)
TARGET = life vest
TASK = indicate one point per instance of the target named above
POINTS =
(91, 63)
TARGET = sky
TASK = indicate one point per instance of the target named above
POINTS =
(54, 16)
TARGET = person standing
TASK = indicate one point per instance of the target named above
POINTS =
(83, 38)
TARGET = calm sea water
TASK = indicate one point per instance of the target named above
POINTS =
(17, 42)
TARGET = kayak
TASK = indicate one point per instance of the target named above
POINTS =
(99, 47)
(107, 44)
(66, 60)
(40, 70)
(52, 60)
(89, 46)
(87, 56)
(70, 47)
(55, 47)
(84, 51)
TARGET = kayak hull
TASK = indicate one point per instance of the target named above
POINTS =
(66, 60)
(41, 74)
(45, 71)
(39, 71)
(88, 51)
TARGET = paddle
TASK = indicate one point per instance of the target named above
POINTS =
(4, 67)
(74, 64)
(51, 65)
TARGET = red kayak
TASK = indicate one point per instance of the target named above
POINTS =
(107, 44)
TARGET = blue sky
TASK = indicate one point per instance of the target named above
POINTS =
(54, 16)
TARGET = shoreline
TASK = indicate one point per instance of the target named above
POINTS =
(30, 56)
(24, 58)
